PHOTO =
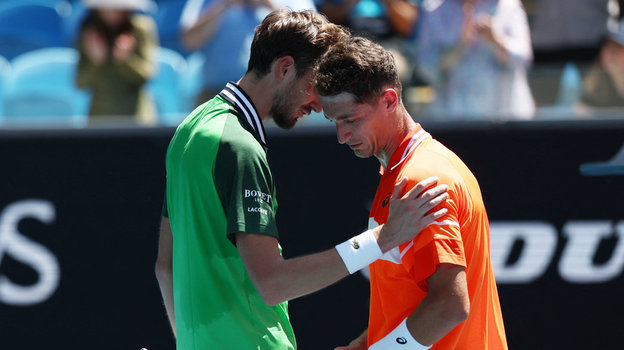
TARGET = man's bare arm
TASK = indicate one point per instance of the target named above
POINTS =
(278, 279)
(446, 305)
(164, 269)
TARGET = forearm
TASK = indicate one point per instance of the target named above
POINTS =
(195, 37)
(165, 282)
(421, 329)
(278, 279)
(299, 276)
(164, 269)
(444, 307)
(433, 319)
(307, 274)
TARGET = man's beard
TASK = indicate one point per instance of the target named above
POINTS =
(281, 111)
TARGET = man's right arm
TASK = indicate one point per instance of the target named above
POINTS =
(164, 269)
(278, 279)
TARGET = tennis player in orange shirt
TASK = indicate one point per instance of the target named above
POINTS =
(438, 290)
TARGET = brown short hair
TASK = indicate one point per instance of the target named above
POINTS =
(357, 66)
(304, 35)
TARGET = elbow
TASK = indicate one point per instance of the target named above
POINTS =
(189, 42)
(272, 301)
(270, 289)
(453, 309)
(270, 295)
(163, 270)
(458, 312)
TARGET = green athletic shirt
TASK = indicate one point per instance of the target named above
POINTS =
(219, 183)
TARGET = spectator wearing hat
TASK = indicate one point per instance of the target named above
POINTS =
(222, 31)
(117, 45)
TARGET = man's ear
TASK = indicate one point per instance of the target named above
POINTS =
(283, 66)
(390, 98)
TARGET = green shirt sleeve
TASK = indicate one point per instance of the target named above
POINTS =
(245, 184)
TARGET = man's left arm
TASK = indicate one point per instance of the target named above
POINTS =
(445, 306)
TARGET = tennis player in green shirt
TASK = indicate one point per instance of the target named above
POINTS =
(223, 279)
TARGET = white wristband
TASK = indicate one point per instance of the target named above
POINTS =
(399, 339)
(359, 251)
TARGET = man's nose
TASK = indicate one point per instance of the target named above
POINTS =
(343, 134)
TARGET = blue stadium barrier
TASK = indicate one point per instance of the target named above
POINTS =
(41, 89)
(165, 86)
(5, 69)
(167, 17)
(192, 81)
(72, 20)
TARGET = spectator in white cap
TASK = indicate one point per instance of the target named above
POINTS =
(117, 45)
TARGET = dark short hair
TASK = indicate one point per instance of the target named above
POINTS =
(358, 66)
(304, 35)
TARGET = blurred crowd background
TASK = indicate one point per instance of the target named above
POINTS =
(78, 63)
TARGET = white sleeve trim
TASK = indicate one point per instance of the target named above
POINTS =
(445, 223)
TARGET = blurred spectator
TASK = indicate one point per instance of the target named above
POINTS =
(375, 19)
(387, 22)
(222, 31)
(475, 54)
(564, 33)
(603, 85)
(117, 47)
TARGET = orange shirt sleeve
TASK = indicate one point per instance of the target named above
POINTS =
(441, 242)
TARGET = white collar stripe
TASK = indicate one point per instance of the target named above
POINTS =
(248, 114)
(240, 100)
(411, 141)
(246, 104)
(414, 142)
(233, 100)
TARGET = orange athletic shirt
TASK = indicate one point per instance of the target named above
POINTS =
(461, 237)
